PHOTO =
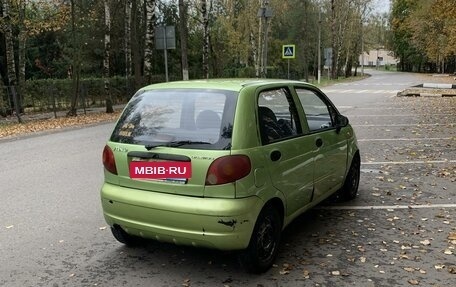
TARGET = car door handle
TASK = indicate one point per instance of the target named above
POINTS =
(275, 155)
(319, 142)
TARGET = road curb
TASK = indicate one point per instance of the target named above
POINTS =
(424, 92)
(13, 138)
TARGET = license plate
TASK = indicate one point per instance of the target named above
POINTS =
(164, 170)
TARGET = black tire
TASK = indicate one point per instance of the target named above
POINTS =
(350, 188)
(125, 238)
(264, 243)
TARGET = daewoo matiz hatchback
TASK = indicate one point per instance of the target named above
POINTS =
(225, 164)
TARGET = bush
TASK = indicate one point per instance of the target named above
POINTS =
(42, 95)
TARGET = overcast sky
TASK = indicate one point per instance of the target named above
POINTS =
(381, 6)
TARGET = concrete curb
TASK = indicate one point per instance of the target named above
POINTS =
(424, 92)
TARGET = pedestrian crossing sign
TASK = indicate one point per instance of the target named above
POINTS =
(288, 51)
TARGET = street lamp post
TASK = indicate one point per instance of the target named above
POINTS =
(319, 46)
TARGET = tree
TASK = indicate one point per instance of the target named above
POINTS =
(136, 43)
(205, 22)
(339, 25)
(11, 66)
(76, 64)
(22, 38)
(424, 34)
(432, 27)
(183, 38)
(127, 38)
(107, 47)
(150, 7)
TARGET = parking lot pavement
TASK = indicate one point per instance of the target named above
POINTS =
(401, 230)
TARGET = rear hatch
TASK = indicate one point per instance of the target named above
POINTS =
(172, 126)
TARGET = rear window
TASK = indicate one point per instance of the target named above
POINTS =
(204, 118)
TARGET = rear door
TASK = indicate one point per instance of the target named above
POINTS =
(288, 153)
(331, 146)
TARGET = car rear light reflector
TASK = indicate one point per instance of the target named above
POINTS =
(228, 169)
(109, 161)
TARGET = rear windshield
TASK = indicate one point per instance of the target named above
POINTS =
(202, 118)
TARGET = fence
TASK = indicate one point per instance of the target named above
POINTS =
(56, 94)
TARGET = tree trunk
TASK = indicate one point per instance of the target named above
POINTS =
(127, 40)
(22, 57)
(334, 40)
(259, 51)
(150, 34)
(107, 48)
(135, 44)
(306, 48)
(10, 63)
(183, 38)
(253, 45)
(340, 10)
(205, 16)
(76, 63)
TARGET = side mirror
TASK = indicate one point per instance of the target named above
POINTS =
(341, 122)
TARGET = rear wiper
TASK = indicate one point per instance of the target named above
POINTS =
(175, 144)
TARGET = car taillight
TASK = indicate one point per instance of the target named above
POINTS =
(228, 169)
(109, 161)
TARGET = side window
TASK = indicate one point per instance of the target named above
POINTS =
(319, 114)
(277, 116)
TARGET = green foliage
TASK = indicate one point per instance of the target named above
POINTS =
(234, 37)
(424, 34)
(42, 94)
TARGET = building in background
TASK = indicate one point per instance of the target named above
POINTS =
(378, 58)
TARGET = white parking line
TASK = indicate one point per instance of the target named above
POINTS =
(406, 125)
(345, 107)
(383, 207)
(340, 91)
(403, 139)
(380, 108)
(402, 115)
(408, 162)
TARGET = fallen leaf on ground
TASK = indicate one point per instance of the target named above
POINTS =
(33, 126)
(452, 236)
(425, 242)
(452, 269)
(306, 274)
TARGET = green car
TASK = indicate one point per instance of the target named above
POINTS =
(225, 164)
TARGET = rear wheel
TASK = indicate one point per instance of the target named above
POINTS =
(350, 188)
(264, 243)
(124, 237)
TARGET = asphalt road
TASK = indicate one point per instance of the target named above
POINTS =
(398, 232)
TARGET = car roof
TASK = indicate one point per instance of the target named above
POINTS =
(225, 84)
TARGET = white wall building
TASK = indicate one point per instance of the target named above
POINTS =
(380, 57)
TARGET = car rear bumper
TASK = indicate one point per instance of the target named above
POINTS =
(219, 223)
